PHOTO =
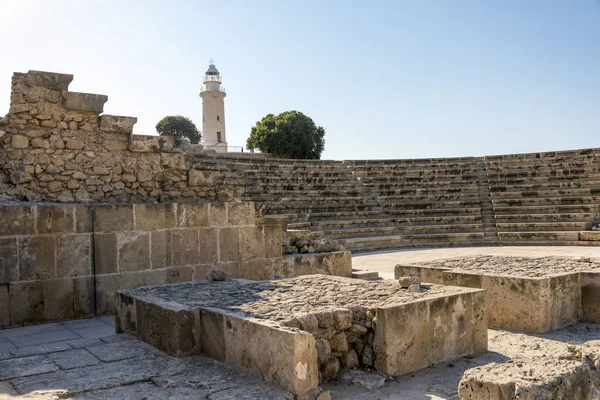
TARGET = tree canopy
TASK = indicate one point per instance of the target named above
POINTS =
(179, 128)
(289, 134)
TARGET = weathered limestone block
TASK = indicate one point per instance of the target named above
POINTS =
(49, 80)
(217, 214)
(37, 258)
(291, 364)
(208, 245)
(338, 263)
(273, 237)
(58, 299)
(590, 296)
(73, 255)
(521, 294)
(117, 123)
(252, 244)
(405, 342)
(241, 213)
(55, 219)
(150, 216)
(192, 215)
(9, 267)
(134, 251)
(593, 236)
(184, 248)
(4, 305)
(229, 244)
(170, 327)
(105, 252)
(158, 249)
(114, 218)
(26, 302)
(537, 378)
(85, 101)
(83, 297)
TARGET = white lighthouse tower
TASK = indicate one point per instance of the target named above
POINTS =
(213, 110)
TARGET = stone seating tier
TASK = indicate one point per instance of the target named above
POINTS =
(540, 198)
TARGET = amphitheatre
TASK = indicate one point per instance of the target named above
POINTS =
(132, 267)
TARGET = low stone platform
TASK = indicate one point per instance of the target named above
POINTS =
(572, 374)
(298, 332)
(527, 294)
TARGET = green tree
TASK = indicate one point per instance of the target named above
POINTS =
(289, 134)
(179, 128)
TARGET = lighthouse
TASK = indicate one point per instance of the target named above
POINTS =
(213, 110)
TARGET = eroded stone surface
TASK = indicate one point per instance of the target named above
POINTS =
(285, 299)
(515, 266)
(533, 378)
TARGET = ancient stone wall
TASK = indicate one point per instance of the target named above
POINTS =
(56, 146)
(65, 261)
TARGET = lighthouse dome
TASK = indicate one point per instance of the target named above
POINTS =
(212, 70)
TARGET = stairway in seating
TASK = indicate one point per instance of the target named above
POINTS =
(490, 231)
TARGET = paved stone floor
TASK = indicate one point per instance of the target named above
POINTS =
(384, 262)
(117, 367)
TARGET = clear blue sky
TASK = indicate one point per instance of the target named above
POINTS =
(386, 79)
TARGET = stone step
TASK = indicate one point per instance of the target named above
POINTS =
(261, 187)
(419, 191)
(438, 237)
(298, 225)
(539, 235)
(454, 228)
(476, 243)
(372, 241)
(446, 180)
(542, 226)
(350, 223)
(405, 205)
(326, 200)
(421, 185)
(317, 208)
(540, 179)
(273, 179)
(402, 173)
(434, 212)
(362, 232)
(546, 185)
(546, 209)
(547, 193)
(558, 217)
(307, 191)
(439, 220)
(409, 162)
(591, 168)
(328, 216)
(562, 200)
(430, 197)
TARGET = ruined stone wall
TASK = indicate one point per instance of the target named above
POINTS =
(56, 146)
(65, 261)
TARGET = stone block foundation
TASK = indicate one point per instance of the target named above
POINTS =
(300, 331)
(527, 294)
(62, 261)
